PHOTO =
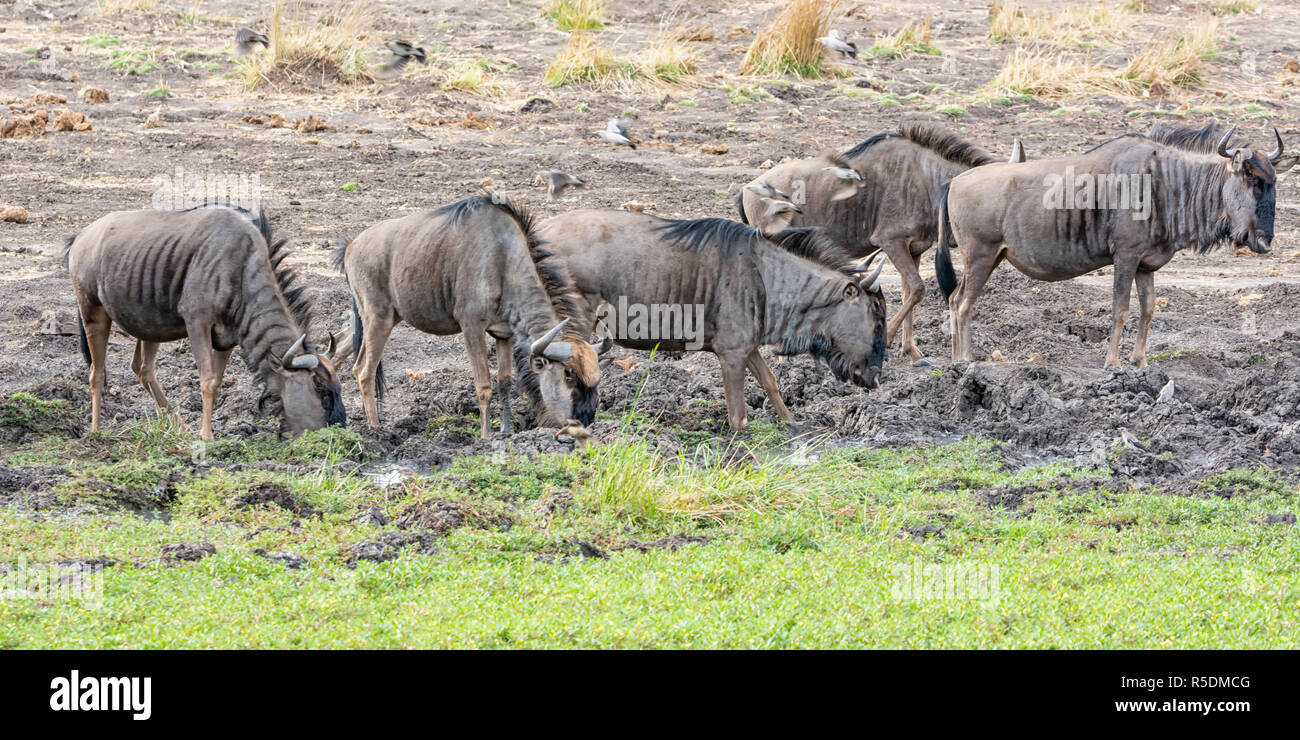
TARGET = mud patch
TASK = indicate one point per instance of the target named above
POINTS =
(275, 494)
(189, 551)
(390, 544)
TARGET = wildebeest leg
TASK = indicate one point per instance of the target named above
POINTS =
(1146, 285)
(97, 324)
(733, 388)
(200, 334)
(378, 325)
(900, 256)
(1124, 274)
(505, 382)
(767, 381)
(478, 362)
(980, 262)
(146, 354)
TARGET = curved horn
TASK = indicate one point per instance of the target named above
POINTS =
(539, 347)
(1223, 143)
(865, 264)
(305, 361)
(287, 359)
(606, 338)
(1277, 154)
(1017, 151)
(868, 283)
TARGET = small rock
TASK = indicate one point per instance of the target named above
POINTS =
(14, 215)
(714, 148)
(155, 120)
(1292, 65)
(373, 516)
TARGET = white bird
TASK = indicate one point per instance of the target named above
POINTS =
(246, 41)
(616, 133)
(1166, 393)
(844, 173)
(836, 41)
(557, 181)
(764, 190)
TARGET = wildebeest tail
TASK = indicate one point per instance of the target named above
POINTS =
(943, 270)
(336, 259)
(740, 206)
(81, 340)
(359, 336)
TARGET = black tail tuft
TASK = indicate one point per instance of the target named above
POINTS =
(740, 206)
(943, 270)
(81, 340)
(358, 337)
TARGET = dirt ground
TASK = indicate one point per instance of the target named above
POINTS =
(1224, 332)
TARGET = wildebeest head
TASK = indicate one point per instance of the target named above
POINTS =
(1250, 193)
(565, 374)
(848, 328)
(1257, 172)
(308, 391)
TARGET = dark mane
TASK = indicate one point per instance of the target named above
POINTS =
(862, 147)
(555, 278)
(732, 237)
(1113, 140)
(933, 137)
(813, 243)
(1204, 140)
(294, 292)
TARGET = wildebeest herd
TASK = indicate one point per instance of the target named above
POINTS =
(795, 272)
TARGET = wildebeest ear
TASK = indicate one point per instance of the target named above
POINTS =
(1286, 163)
(842, 189)
(1240, 157)
(851, 291)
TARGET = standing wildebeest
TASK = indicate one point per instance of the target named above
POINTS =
(796, 289)
(1131, 203)
(893, 207)
(471, 267)
(211, 274)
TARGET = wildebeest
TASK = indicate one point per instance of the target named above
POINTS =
(795, 289)
(893, 208)
(1131, 203)
(212, 274)
(471, 267)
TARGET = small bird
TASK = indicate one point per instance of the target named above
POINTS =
(1130, 440)
(836, 41)
(246, 41)
(764, 190)
(402, 54)
(616, 133)
(577, 431)
(776, 206)
(844, 173)
(557, 181)
(1166, 393)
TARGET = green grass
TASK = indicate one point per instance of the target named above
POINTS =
(806, 548)
(132, 62)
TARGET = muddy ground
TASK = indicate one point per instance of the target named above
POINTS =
(1225, 332)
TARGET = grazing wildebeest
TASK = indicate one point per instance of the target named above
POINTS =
(214, 275)
(893, 207)
(1131, 203)
(795, 289)
(471, 267)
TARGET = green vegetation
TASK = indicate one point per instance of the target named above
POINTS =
(132, 62)
(756, 541)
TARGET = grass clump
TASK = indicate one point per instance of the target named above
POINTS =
(309, 50)
(33, 414)
(1073, 25)
(116, 6)
(576, 15)
(789, 45)
(585, 61)
(1163, 64)
(914, 38)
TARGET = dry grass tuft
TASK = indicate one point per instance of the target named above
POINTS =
(116, 6)
(316, 50)
(914, 38)
(481, 77)
(585, 61)
(1162, 65)
(789, 45)
(1073, 25)
(576, 15)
